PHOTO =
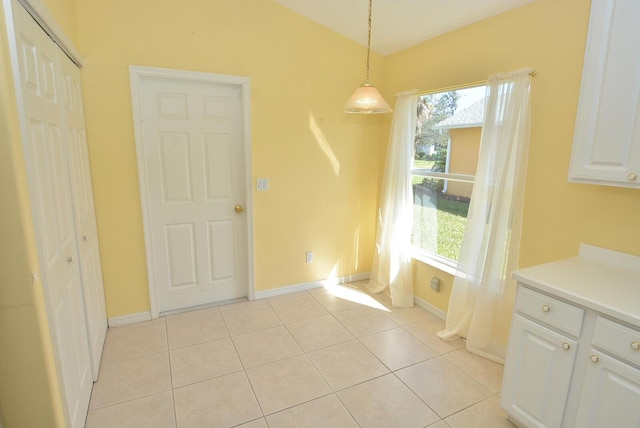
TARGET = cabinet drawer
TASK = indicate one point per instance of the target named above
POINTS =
(617, 339)
(551, 311)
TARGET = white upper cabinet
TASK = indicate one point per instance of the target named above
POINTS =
(606, 145)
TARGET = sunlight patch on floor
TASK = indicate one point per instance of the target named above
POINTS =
(355, 295)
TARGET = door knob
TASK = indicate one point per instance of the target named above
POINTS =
(632, 176)
(239, 209)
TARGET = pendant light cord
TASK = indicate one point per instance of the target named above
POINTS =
(369, 42)
(366, 99)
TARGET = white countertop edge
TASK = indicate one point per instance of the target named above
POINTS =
(576, 280)
(581, 300)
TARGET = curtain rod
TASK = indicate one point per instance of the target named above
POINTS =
(463, 86)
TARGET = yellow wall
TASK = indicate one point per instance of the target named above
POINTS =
(465, 144)
(548, 35)
(64, 13)
(300, 74)
(320, 199)
(28, 385)
(422, 275)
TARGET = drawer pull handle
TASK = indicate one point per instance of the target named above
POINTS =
(546, 308)
(566, 346)
(635, 346)
(594, 358)
(632, 176)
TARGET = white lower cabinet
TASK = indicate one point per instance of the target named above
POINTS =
(574, 349)
(539, 372)
(610, 394)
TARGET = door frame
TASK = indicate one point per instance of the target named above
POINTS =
(137, 74)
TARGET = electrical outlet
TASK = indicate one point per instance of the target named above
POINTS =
(309, 256)
(435, 284)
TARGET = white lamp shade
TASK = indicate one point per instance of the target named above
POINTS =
(366, 99)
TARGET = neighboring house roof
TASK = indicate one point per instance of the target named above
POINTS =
(469, 117)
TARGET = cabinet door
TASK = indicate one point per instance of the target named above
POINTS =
(537, 374)
(610, 394)
(606, 147)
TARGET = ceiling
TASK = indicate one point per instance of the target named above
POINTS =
(398, 24)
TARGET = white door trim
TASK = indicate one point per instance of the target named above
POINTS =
(136, 74)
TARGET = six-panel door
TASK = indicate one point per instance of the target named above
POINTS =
(194, 163)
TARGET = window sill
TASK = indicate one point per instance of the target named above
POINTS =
(437, 262)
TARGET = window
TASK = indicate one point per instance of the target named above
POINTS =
(445, 158)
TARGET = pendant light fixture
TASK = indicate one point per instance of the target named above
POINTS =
(366, 99)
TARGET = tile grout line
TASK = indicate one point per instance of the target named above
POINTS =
(358, 340)
(246, 375)
(417, 396)
(306, 354)
(173, 398)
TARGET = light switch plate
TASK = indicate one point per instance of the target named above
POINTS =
(263, 184)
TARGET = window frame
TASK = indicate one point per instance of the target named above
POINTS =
(418, 253)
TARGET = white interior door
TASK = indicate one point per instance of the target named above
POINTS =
(194, 163)
(43, 130)
(85, 218)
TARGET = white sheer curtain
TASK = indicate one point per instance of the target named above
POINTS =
(391, 260)
(482, 298)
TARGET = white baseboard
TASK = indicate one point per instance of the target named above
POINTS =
(354, 278)
(129, 319)
(438, 313)
(295, 288)
(146, 316)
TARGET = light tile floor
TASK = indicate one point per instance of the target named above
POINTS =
(325, 358)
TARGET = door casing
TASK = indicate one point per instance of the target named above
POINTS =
(136, 74)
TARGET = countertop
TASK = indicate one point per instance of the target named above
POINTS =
(596, 280)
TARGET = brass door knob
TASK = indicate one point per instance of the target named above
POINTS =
(239, 209)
